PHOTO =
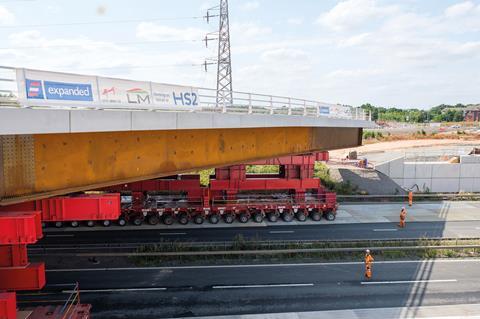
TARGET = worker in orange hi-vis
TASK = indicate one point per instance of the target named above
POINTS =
(368, 264)
(403, 217)
(410, 198)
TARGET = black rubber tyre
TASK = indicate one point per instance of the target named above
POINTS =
(229, 218)
(258, 217)
(153, 220)
(272, 217)
(183, 219)
(74, 224)
(106, 223)
(168, 219)
(122, 222)
(301, 217)
(137, 221)
(316, 216)
(198, 219)
(330, 216)
(214, 219)
(58, 224)
(287, 217)
(90, 223)
(243, 218)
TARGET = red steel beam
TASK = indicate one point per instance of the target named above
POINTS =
(20, 228)
(29, 277)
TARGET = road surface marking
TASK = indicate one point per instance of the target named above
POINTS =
(406, 282)
(281, 232)
(171, 234)
(268, 265)
(262, 286)
(116, 290)
(60, 235)
(385, 229)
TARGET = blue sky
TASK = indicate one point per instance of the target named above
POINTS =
(409, 53)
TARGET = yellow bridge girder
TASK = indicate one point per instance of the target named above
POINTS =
(42, 165)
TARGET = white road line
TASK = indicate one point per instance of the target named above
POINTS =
(269, 265)
(171, 234)
(60, 235)
(385, 229)
(116, 290)
(262, 286)
(281, 232)
(406, 282)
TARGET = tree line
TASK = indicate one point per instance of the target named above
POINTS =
(440, 113)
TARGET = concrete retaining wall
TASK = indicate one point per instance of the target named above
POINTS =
(438, 177)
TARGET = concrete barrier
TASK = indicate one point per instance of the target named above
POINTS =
(435, 176)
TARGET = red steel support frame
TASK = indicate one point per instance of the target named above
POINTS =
(17, 229)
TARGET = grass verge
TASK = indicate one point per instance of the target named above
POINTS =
(242, 244)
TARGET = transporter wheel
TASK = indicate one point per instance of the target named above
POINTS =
(272, 217)
(258, 217)
(301, 217)
(122, 222)
(198, 219)
(90, 223)
(106, 223)
(214, 219)
(183, 219)
(316, 216)
(330, 216)
(287, 217)
(153, 220)
(243, 218)
(229, 218)
(137, 221)
(74, 224)
(58, 224)
(168, 219)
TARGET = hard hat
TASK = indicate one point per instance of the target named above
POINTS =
(403, 207)
(367, 251)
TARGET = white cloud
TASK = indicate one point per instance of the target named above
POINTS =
(154, 32)
(284, 55)
(248, 31)
(351, 13)
(459, 9)
(6, 17)
(295, 21)
(250, 5)
(84, 55)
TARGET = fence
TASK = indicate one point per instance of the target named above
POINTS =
(12, 94)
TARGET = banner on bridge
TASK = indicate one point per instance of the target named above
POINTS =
(63, 89)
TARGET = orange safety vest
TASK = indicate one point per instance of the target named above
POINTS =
(368, 259)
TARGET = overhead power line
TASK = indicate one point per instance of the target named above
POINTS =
(96, 44)
(95, 22)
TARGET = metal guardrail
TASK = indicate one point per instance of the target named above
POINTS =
(404, 197)
(269, 251)
(243, 103)
(68, 308)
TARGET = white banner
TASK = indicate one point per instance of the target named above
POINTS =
(174, 96)
(57, 88)
(124, 92)
(63, 89)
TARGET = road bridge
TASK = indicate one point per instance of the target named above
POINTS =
(61, 133)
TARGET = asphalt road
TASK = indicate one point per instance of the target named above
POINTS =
(215, 290)
(364, 231)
